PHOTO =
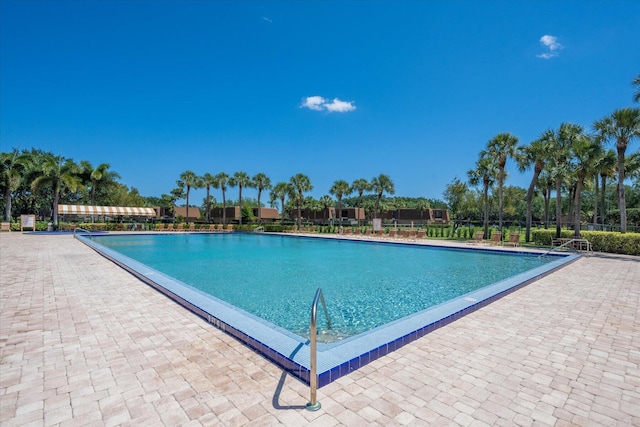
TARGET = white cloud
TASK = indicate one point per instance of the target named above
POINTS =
(339, 106)
(318, 103)
(266, 19)
(314, 103)
(550, 42)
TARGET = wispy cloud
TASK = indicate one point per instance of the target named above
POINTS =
(319, 103)
(264, 18)
(551, 43)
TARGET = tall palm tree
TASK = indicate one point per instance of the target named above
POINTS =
(360, 186)
(242, 180)
(604, 167)
(546, 182)
(326, 201)
(381, 184)
(60, 174)
(485, 171)
(262, 182)
(189, 180)
(221, 181)
(585, 151)
(208, 181)
(536, 154)
(622, 126)
(10, 176)
(502, 147)
(300, 183)
(339, 189)
(564, 137)
(280, 191)
(96, 177)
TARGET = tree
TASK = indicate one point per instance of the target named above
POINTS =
(561, 143)
(605, 167)
(546, 182)
(585, 152)
(636, 83)
(340, 188)
(536, 154)
(454, 194)
(381, 184)
(59, 173)
(360, 186)
(622, 126)
(221, 181)
(326, 202)
(300, 183)
(208, 181)
(189, 180)
(242, 180)
(280, 191)
(485, 172)
(96, 177)
(10, 176)
(262, 182)
(502, 147)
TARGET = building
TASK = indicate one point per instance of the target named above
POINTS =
(406, 216)
(330, 215)
(233, 214)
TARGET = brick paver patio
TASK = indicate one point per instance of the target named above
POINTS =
(84, 343)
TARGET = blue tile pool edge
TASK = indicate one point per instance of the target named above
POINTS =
(335, 360)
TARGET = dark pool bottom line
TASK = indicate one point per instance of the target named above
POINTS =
(291, 352)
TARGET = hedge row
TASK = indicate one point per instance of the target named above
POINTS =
(601, 241)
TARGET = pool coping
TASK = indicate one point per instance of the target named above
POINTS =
(291, 352)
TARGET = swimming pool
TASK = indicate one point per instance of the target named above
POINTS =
(259, 287)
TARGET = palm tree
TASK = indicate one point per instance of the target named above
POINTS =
(636, 83)
(10, 176)
(61, 174)
(97, 176)
(262, 182)
(208, 181)
(340, 188)
(536, 154)
(280, 191)
(605, 167)
(189, 180)
(360, 185)
(585, 152)
(502, 147)
(381, 184)
(563, 140)
(622, 126)
(221, 181)
(326, 201)
(242, 180)
(300, 183)
(546, 182)
(485, 171)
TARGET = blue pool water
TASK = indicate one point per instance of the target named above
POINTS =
(366, 285)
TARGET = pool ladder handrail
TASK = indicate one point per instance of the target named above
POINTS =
(313, 404)
(81, 229)
(561, 246)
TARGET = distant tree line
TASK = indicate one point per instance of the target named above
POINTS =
(569, 162)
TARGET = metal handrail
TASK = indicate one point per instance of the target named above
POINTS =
(313, 404)
(82, 229)
(571, 241)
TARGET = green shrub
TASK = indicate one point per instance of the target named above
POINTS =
(601, 241)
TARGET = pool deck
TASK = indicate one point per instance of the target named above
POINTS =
(83, 342)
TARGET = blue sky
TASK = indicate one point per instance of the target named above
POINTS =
(333, 90)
